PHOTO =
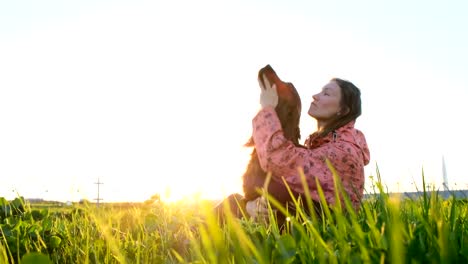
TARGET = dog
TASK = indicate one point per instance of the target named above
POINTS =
(289, 113)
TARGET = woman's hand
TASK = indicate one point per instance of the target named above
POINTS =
(268, 94)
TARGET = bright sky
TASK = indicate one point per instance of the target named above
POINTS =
(158, 96)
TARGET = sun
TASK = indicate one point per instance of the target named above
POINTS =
(215, 182)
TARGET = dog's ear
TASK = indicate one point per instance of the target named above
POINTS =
(295, 98)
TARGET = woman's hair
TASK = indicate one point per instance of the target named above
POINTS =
(350, 106)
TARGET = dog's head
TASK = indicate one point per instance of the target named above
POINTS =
(289, 103)
(287, 93)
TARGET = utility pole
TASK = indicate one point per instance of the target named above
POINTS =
(98, 199)
(444, 175)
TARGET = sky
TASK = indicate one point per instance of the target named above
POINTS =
(157, 97)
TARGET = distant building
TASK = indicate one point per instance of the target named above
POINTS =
(34, 200)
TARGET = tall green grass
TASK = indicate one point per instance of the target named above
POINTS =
(385, 229)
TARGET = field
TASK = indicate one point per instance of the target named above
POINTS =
(386, 229)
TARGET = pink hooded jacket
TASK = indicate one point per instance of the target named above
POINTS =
(346, 149)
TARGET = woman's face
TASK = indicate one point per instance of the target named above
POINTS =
(326, 104)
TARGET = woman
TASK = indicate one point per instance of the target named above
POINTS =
(335, 109)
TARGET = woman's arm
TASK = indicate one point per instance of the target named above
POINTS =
(280, 156)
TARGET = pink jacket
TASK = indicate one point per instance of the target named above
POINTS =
(346, 149)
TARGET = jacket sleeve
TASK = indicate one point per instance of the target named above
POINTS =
(281, 157)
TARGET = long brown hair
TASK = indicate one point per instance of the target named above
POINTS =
(350, 106)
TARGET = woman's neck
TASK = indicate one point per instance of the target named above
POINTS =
(321, 125)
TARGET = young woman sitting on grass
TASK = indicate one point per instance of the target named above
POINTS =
(335, 109)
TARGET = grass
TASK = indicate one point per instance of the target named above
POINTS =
(386, 229)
